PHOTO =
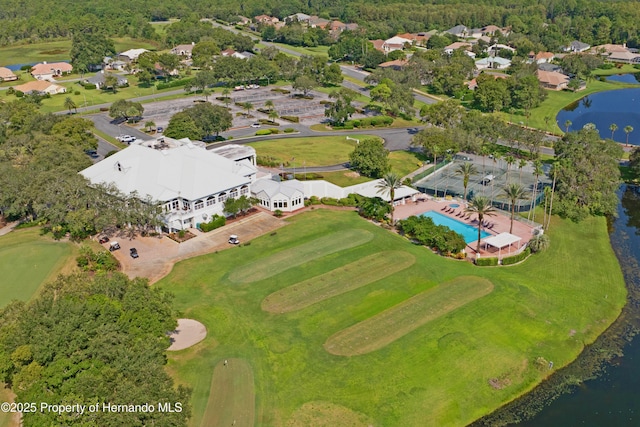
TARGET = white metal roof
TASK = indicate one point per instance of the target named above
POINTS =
(502, 240)
(187, 171)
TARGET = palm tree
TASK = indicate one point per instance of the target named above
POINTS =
(537, 171)
(510, 160)
(149, 125)
(248, 106)
(206, 93)
(567, 125)
(226, 100)
(613, 128)
(628, 130)
(273, 115)
(484, 151)
(448, 158)
(70, 105)
(389, 184)
(269, 104)
(481, 207)
(547, 119)
(435, 168)
(514, 192)
(466, 169)
(521, 164)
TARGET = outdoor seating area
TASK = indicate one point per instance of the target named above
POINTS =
(496, 226)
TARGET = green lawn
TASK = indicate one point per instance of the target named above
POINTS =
(405, 162)
(27, 260)
(439, 373)
(556, 101)
(314, 151)
(57, 50)
(317, 50)
(625, 69)
(344, 178)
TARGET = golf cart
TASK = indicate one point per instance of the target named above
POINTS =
(114, 246)
(233, 239)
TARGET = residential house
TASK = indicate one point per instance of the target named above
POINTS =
(395, 43)
(48, 71)
(243, 20)
(553, 80)
(190, 182)
(577, 47)
(419, 39)
(457, 45)
(494, 49)
(317, 22)
(337, 27)
(239, 55)
(397, 64)
(266, 20)
(286, 196)
(111, 64)
(458, 31)
(302, 18)
(99, 80)
(184, 50)
(545, 66)
(131, 55)
(608, 49)
(41, 87)
(624, 57)
(541, 57)
(378, 45)
(493, 62)
(6, 75)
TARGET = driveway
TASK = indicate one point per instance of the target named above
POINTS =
(159, 254)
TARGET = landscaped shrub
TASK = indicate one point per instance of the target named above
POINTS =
(263, 110)
(280, 90)
(76, 93)
(308, 176)
(274, 131)
(173, 83)
(539, 243)
(315, 200)
(270, 162)
(345, 127)
(268, 122)
(606, 66)
(293, 119)
(329, 201)
(289, 130)
(263, 132)
(216, 221)
(425, 231)
(90, 260)
(486, 262)
(19, 94)
(222, 98)
(89, 86)
(516, 258)
(277, 213)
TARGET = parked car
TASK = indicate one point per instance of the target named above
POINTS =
(256, 125)
(103, 239)
(159, 129)
(233, 239)
(92, 153)
(133, 252)
(114, 246)
(238, 88)
(253, 87)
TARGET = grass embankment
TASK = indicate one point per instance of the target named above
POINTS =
(450, 371)
(315, 151)
(556, 101)
(27, 260)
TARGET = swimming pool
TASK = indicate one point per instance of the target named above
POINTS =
(469, 232)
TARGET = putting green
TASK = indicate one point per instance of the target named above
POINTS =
(327, 414)
(232, 396)
(344, 279)
(386, 327)
(277, 263)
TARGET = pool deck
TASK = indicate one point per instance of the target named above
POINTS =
(501, 224)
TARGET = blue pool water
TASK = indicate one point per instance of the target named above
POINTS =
(469, 232)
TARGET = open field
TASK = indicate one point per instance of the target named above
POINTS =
(281, 261)
(405, 162)
(344, 279)
(625, 69)
(344, 178)
(316, 151)
(57, 50)
(326, 414)
(440, 374)
(386, 327)
(232, 396)
(315, 51)
(27, 260)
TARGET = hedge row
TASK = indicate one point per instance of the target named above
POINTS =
(268, 122)
(289, 130)
(262, 132)
(282, 91)
(370, 121)
(217, 221)
(486, 262)
(174, 83)
(351, 200)
(293, 119)
(516, 258)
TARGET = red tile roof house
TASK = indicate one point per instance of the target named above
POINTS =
(552, 80)
(266, 19)
(397, 64)
(6, 75)
(46, 71)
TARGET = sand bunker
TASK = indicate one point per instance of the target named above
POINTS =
(189, 332)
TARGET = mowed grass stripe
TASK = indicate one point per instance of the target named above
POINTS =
(386, 327)
(336, 282)
(232, 396)
(293, 257)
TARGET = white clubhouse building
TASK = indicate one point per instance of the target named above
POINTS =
(189, 181)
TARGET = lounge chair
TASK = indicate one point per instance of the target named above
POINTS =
(443, 208)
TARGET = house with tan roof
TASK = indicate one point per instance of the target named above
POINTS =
(317, 22)
(608, 49)
(419, 39)
(624, 57)
(41, 87)
(377, 44)
(48, 71)
(541, 57)
(6, 75)
(455, 46)
(396, 64)
(395, 43)
(552, 80)
(266, 20)
(183, 50)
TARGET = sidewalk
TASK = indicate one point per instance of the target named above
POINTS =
(8, 228)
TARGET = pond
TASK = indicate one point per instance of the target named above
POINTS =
(624, 78)
(621, 107)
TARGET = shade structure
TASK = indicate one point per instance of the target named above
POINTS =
(502, 240)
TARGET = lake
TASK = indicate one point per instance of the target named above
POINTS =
(621, 107)
(624, 78)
